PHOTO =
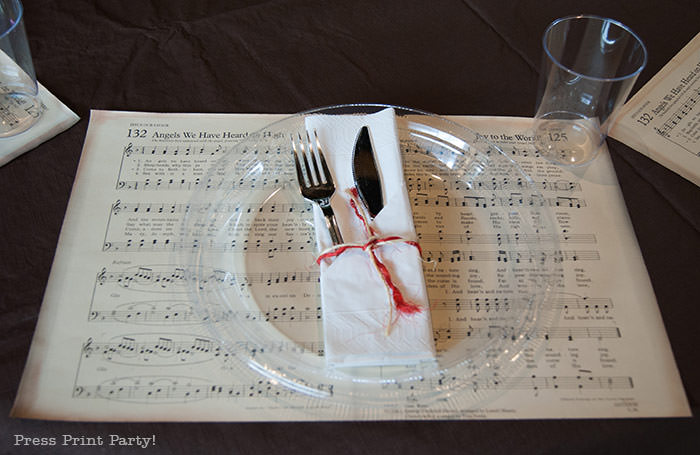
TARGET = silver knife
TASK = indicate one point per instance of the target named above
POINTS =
(365, 173)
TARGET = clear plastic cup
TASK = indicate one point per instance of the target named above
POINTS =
(589, 66)
(20, 106)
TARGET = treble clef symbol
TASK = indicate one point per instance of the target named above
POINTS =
(102, 276)
(117, 207)
(88, 348)
(128, 150)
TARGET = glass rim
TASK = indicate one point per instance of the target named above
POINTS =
(17, 20)
(601, 19)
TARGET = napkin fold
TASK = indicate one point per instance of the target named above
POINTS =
(55, 118)
(362, 326)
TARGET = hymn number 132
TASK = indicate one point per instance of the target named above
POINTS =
(137, 133)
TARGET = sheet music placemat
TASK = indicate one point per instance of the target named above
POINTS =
(116, 327)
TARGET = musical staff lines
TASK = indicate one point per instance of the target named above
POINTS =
(419, 184)
(286, 176)
(176, 279)
(155, 312)
(419, 199)
(488, 305)
(158, 312)
(501, 239)
(411, 147)
(131, 150)
(541, 383)
(126, 208)
(546, 333)
(413, 184)
(153, 389)
(157, 350)
(686, 107)
(680, 113)
(504, 256)
(272, 247)
(181, 389)
(168, 312)
(209, 184)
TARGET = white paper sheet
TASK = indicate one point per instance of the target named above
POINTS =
(117, 338)
(662, 120)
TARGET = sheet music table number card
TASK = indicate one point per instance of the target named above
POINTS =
(662, 120)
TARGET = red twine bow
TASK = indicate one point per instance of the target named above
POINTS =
(394, 293)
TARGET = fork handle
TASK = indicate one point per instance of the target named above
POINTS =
(332, 225)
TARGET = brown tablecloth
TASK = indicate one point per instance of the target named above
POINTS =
(477, 57)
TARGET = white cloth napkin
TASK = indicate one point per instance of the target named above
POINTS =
(55, 119)
(360, 326)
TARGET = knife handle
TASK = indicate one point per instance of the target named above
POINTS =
(332, 225)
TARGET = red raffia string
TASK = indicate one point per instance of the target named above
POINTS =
(393, 292)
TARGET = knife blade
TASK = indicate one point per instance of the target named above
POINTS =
(365, 173)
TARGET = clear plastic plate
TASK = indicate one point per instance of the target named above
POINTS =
(488, 242)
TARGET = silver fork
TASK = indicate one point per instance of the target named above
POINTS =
(316, 187)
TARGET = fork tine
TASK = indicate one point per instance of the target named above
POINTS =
(314, 188)
(322, 159)
(300, 174)
(310, 161)
(313, 159)
(305, 160)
